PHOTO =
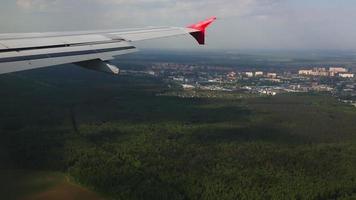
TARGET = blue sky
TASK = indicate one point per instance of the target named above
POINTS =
(243, 24)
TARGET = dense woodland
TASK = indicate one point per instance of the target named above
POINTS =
(115, 136)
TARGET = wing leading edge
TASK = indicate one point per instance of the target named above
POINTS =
(20, 52)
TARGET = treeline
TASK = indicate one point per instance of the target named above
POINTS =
(159, 163)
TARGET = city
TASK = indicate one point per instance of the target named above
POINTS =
(339, 82)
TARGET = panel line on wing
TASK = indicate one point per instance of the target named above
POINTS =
(63, 54)
(60, 46)
(75, 33)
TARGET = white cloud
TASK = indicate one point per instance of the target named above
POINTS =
(223, 8)
(244, 24)
(114, 13)
(25, 4)
(35, 4)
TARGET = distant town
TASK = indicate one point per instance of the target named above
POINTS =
(338, 81)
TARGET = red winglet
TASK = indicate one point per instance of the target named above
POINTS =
(201, 28)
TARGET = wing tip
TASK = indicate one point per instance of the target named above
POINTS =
(200, 28)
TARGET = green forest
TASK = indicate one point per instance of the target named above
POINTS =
(119, 138)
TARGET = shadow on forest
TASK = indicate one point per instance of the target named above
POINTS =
(185, 114)
(252, 133)
(33, 149)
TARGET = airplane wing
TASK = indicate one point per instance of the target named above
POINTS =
(89, 49)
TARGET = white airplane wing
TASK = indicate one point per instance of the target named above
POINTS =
(89, 49)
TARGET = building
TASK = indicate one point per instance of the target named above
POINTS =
(308, 72)
(188, 87)
(268, 92)
(258, 73)
(322, 88)
(337, 70)
(231, 76)
(215, 80)
(249, 74)
(152, 73)
(314, 72)
(320, 72)
(271, 75)
(346, 75)
(180, 79)
(276, 80)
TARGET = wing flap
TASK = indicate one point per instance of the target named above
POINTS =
(31, 59)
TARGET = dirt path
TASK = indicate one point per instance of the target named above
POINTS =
(66, 191)
(39, 185)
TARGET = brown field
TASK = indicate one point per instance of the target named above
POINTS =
(34, 185)
(66, 191)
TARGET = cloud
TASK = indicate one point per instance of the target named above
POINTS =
(25, 4)
(223, 8)
(39, 5)
(250, 23)
(103, 14)
(89, 14)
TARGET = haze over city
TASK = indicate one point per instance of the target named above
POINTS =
(243, 24)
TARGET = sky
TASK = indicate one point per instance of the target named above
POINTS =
(242, 24)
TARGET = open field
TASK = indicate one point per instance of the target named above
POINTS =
(40, 185)
(120, 139)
